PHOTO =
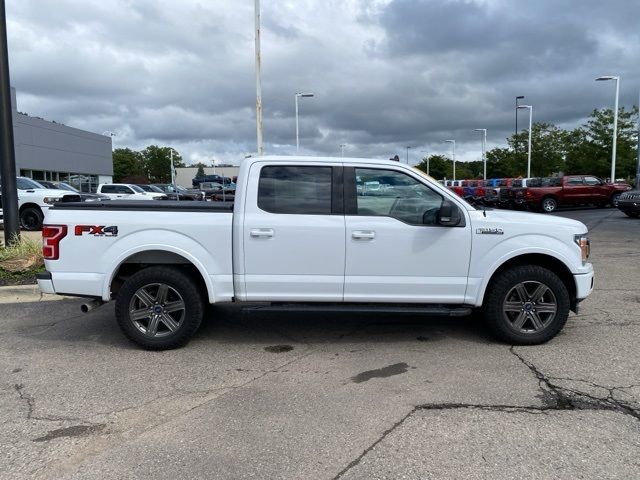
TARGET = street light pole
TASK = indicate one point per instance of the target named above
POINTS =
(298, 95)
(615, 123)
(530, 107)
(260, 146)
(9, 187)
(428, 160)
(408, 154)
(484, 150)
(342, 145)
(453, 156)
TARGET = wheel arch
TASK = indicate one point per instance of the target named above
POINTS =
(549, 262)
(136, 261)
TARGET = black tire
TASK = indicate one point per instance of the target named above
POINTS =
(614, 199)
(548, 205)
(31, 218)
(502, 312)
(171, 328)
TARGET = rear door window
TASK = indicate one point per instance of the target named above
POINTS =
(302, 190)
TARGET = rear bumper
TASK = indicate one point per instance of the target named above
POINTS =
(72, 283)
(45, 284)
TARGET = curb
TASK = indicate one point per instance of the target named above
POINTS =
(24, 294)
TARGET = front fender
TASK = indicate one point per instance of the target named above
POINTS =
(485, 262)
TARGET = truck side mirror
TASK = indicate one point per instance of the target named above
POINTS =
(449, 214)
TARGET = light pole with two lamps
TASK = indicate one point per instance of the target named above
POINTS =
(298, 95)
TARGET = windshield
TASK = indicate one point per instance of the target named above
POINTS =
(154, 188)
(27, 184)
(66, 186)
(137, 189)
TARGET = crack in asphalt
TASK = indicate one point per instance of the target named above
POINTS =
(554, 398)
(557, 397)
(25, 397)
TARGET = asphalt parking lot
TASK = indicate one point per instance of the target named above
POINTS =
(306, 396)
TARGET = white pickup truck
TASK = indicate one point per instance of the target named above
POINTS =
(301, 235)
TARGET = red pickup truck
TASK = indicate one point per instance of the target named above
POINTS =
(573, 190)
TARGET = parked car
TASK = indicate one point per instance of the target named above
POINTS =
(629, 203)
(82, 196)
(34, 201)
(515, 193)
(210, 178)
(212, 189)
(180, 193)
(574, 190)
(126, 191)
(418, 248)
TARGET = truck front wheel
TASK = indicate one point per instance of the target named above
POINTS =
(159, 308)
(31, 218)
(526, 305)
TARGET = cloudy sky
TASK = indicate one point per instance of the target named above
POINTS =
(385, 73)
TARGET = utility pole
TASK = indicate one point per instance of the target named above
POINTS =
(258, 82)
(342, 145)
(7, 151)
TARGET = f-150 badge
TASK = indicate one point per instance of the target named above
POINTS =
(489, 231)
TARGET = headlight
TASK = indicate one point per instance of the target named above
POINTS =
(51, 200)
(582, 240)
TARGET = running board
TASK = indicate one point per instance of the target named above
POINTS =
(435, 310)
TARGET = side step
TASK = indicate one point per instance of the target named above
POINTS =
(434, 310)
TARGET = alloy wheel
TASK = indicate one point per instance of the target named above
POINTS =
(157, 310)
(529, 307)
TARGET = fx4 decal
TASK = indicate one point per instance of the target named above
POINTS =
(97, 230)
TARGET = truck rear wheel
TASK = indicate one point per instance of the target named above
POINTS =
(549, 204)
(159, 308)
(526, 305)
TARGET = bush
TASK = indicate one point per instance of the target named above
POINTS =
(24, 255)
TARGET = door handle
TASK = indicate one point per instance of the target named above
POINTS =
(261, 232)
(363, 234)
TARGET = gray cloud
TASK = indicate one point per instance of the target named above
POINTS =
(386, 73)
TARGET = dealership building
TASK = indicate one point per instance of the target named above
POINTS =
(47, 150)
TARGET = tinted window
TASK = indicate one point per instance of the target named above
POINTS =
(299, 190)
(135, 189)
(27, 184)
(398, 195)
(109, 189)
(591, 181)
(125, 190)
(574, 181)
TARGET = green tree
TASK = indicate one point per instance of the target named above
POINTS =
(126, 163)
(200, 173)
(157, 162)
(589, 146)
(547, 155)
